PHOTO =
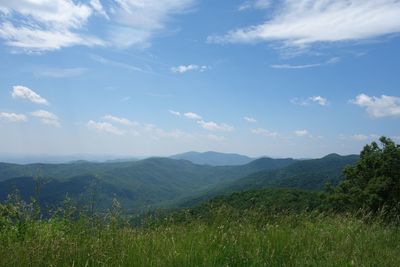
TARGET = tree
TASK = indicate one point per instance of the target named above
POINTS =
(373, 184)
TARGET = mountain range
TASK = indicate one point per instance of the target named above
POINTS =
(160, 182)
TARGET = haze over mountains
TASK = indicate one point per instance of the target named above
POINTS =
(214, 158)
(207, 158)
(157, 182)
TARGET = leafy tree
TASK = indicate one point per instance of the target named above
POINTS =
(373, 184)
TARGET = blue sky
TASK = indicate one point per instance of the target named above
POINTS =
(138, 78)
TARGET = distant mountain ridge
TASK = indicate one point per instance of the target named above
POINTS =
(214, 158)
(138, 184)
(156, 182)
(310, 174)
(303, 174)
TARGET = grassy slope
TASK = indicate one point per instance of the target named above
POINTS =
(284, 241)
(266, 227)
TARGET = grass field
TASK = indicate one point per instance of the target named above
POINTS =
(223, 240)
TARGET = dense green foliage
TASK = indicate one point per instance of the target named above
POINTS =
(138, 185)
(302, 174)
(372, 184)
(264, 201)
(264, 227)
(305, 174)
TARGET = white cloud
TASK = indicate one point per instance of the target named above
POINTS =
(302, 23)
(302, 133)
(330, 61)
(61, 73)
(36, 40)
(264, 132)
(28, 94)
(98, 7)
(209, 125)
(186, 68)
(46, 25)
(192, 116)
(119, 120)
(295, 67)
(319, 100)
(122, 65)
(105, 127)
(12, 117)
(334, 60)
(255, 4)
(213, 126)
(379, 107)
(322, 101)
(250, 119)
(137, 20)
(175, 113)
(46, 117)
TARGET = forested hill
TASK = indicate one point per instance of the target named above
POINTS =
(304, 174)
(138, 184)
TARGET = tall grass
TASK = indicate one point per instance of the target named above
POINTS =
(222, 239)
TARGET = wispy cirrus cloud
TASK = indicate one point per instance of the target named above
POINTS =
(39, 26)
(254, 4)
(137, 21)
(60, 72)
(117, 64)
(295, 67)
(12, 117)
(379, 107)
(330, 61)
(304, 23)
(45, 25)
(26, 93)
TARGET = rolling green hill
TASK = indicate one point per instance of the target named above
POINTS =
(302, 174)
(305, 174)
(137, 184)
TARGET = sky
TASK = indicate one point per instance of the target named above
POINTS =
(289, 78)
